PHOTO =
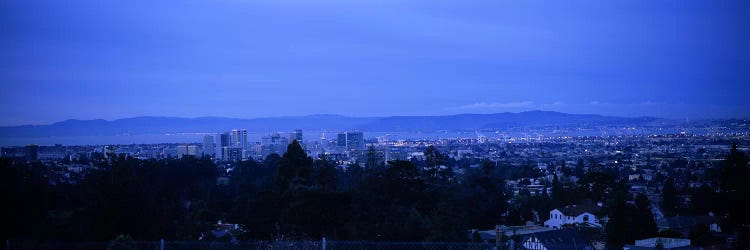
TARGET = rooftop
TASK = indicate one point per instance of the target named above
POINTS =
(574, 210)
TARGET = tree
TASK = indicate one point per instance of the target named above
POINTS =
(255, 198)
(27, 200)
(373, 160)
(597, 184)
(558, 197)
(704, 201)
(566, 170)
(735, 187)
(619, 228)
(295, 168)
(579, 172)
(644, 220)
(484, 193)
(669, 197)
(628, 223)
(393, 205)
(325, 175)
(436, 168)
(448, 221)
(350, 178)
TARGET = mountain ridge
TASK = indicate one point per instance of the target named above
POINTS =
(167, 124)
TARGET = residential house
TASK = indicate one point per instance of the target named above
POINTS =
(585, 214)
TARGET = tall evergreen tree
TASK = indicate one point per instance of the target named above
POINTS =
(325, 175)
(735, 188)
(644, 220)
(579, 169)
(669, 197)
(295, 168)
(558, 196)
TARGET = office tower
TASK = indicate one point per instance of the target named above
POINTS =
(273, 143)
(231, 153)
(239, 138)
(355, 140)
(208, 145)
(224, 139)
(183, 150)
(296, 135)
(192, 150)
(341, 140)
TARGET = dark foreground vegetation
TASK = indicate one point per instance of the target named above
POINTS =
(297, 197)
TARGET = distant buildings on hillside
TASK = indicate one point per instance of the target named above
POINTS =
(351, 140)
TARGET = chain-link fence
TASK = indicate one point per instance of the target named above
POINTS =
(270, 245)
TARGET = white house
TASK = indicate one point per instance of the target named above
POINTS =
(575, 214)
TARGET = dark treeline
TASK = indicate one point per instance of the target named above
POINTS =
(284, 197)
(297, 197)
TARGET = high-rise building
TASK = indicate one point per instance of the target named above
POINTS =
(355, 140)
(231, 153)
(296, 135)
(183, 150)
(224, 139)
(193, 150)
(239, 138)
(209, 147)
(341, 140)
(273, 143)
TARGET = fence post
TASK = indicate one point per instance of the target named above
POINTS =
(7, 244)
(324, 243)
(161, 244)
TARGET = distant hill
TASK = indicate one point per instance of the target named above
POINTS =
(498, 121)
(155, 125)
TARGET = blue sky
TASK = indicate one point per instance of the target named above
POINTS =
(109, 60)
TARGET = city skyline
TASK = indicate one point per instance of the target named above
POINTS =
(86, 60)
(375, 124)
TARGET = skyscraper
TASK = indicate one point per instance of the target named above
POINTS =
(273, 143)
(209, 147)
(231, 153)
(239, 138)
(355, 140)
(224, 140)
(183, 150)
(341, 140)
(296, 135)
